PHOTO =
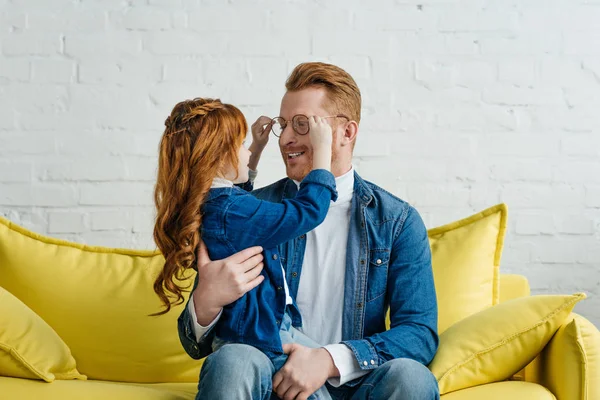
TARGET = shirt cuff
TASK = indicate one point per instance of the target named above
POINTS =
(199, 330)
(252, 175)
(346, 363)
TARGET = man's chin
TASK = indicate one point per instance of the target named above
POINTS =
(297, 172)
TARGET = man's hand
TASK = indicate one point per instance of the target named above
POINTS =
(305, 371)
(224, 281)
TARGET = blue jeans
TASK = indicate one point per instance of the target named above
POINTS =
(240, 371)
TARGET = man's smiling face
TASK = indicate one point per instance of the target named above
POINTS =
(297, 150)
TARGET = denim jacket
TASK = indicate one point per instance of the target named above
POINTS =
(234, 220)
(388, 267)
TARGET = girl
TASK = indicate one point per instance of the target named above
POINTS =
(201, 158)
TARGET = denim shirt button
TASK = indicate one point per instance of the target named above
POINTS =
(302, 236)
(378, 261)
(294, 274)
(372, 362)
(365, 363)
(275, 257)
(279, 288)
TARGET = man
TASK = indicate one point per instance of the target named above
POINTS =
(370, 254)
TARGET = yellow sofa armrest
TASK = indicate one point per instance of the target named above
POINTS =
(569, 365)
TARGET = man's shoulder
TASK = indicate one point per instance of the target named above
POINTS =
(384, 198)
(273, 192)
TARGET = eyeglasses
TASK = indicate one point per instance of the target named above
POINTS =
(299, 122)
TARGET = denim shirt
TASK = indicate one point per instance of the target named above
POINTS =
(234, 220)
(388, 268)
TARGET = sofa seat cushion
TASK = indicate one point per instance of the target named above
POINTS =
(15, 388)
(502, 391)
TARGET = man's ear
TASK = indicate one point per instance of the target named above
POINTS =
(350, 133)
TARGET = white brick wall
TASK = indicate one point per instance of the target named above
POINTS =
(466, 103)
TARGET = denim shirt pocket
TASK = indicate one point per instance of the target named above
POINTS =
(379, 260)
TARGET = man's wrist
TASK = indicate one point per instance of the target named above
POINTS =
(332, 372)
(205, 312)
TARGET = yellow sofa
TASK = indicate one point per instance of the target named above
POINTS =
(97, 300)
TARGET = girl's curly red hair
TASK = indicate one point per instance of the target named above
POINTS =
(202, 138)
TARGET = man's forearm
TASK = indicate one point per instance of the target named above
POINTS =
(204, 312)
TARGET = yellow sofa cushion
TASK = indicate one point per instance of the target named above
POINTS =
(466, 261)
(98, 300)
(494, 344)
(29, 347)
(502, 391)
(13, 388)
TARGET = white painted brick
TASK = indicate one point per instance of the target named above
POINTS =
(434, 75)
(66, 222)
(516, 96)
(117, 193)
(525, 44)
(56, 195)
(581, 43)
(143, 220)
(475, 73)
(540, 196)
(15, 171)
(325, 43)
(477, 119)
(12, 21)
(565, 73)
(426, 195)
(66, 20)
(592, 195)
(53, 71)
(27, 44)
(91, 169)
(141, 19)
(522, 170)
(185, 43)
(111, 220)
(457, 20)
(396, 19)
(102, 144)
(227, 18)
(26, 143)
(182, 71)
(519, 144)
(218, 70)
(107, 239)
(517, 72)
(262, 71)
(577, 225)
(578, 172)
(7, 120)
(301, 18)
(141, 169)
(142, 71)
(534, 224)
(15, 70)
(102, 46)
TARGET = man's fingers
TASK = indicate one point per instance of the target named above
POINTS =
(244, 255)
(253, 283)
(251, 263)
(277, 379)
(287, 348)
(254, 272)
(202, 254)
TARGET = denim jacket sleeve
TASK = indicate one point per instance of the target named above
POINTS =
(412, 299)
(253, 222)
(187, 337)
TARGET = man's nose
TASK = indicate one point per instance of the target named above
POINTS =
(288, 136)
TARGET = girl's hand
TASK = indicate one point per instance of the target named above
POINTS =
(321, 137)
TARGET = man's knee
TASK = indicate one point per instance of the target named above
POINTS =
(407, 379)
(242, 369)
